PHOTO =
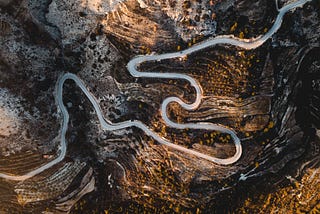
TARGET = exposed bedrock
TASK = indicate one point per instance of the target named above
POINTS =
(269, 96)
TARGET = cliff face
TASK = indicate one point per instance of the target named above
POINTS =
(268, 95)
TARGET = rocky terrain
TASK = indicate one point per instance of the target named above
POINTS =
(269, 96)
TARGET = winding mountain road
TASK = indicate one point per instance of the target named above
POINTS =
(133, 66)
